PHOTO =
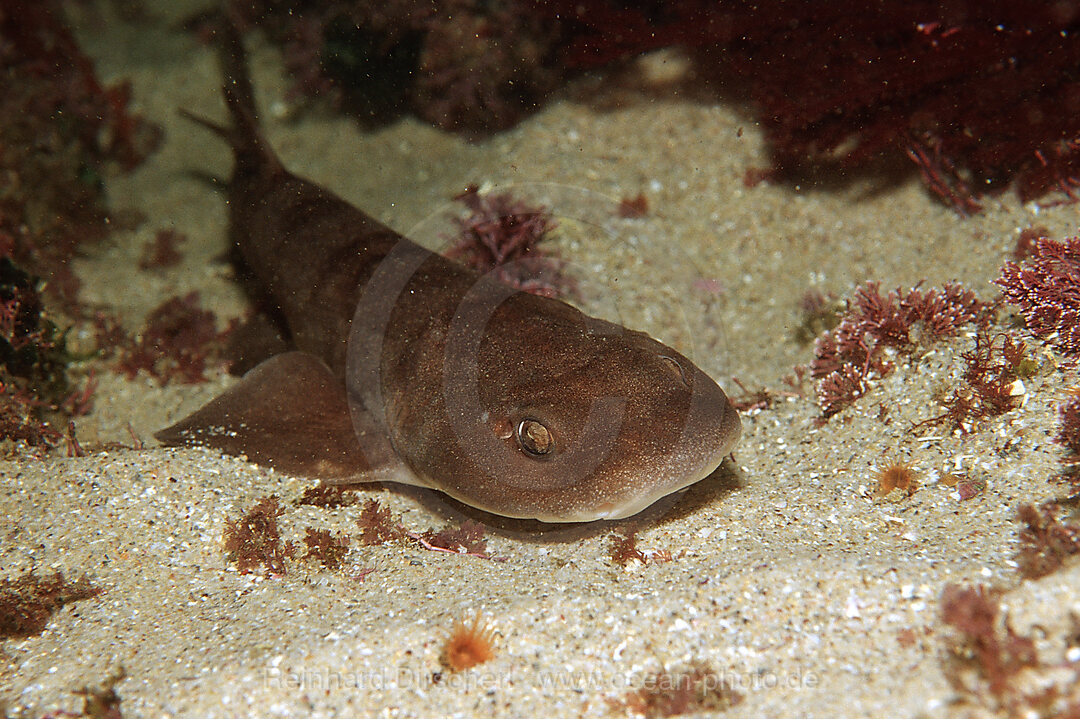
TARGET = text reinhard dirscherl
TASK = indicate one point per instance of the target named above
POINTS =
(405, 678)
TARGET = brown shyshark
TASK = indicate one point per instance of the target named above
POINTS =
(411, 368)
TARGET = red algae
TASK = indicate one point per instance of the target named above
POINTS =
(36, 394)
(178, 341)
(977, 95)
(464, 65)
(162, 251)
(54, 202)
(1045, 541)
(378, 525)
(502, 235)
(27, 603)
(849, 356)
(326, 548)
(1046, 288)
(254, 540)
(994, 656)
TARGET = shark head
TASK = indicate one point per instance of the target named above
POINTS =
(526, 407)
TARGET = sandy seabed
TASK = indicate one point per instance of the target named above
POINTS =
(790, 579)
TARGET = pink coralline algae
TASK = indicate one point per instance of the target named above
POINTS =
(1046, 288)
(1069, 437)
(501, 235)
(848, 357)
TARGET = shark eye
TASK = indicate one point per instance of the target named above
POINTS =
(535, 439)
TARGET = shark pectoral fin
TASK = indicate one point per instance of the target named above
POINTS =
(289, 413)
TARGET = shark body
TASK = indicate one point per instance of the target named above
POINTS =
(411, 368)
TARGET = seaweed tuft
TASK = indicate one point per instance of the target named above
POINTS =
(254, 540)
(27, 603)
(851, 356)
(502, 235)
(1046, 288)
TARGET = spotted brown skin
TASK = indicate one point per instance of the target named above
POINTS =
(414, 369)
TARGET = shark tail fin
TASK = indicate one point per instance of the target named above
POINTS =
(244, 134)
